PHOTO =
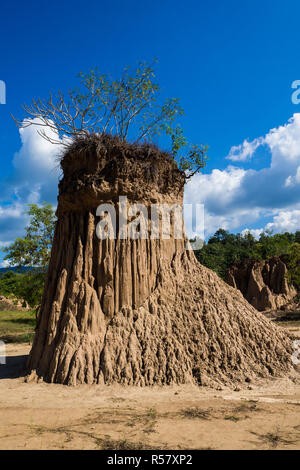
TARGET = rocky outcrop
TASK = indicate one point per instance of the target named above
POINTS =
(139, 311)
(262, 282)
(9, 304)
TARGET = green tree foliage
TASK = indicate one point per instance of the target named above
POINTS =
(294, 265)
(35, 248)
(33, 251)
(224, 249)
(27, 286)
(8, 284)
(129, 106)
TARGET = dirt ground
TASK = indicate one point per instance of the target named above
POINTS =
(48, 416)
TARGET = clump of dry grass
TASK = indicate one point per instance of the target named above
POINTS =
(233, 418)
(247, 407)
(146, 420)
(274, 439)
(195, 413)
(123, 444)
(95, 157)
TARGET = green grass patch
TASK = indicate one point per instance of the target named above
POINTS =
(17, 327)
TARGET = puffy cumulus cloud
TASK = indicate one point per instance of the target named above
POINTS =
(36, 166)
(292, 180)
(235, 197)
(285, 221)
(244, 151)
(229, 222)
(216, 190)
(284, 143)
(34, 179)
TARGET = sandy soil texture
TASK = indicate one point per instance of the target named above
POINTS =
(50, 416)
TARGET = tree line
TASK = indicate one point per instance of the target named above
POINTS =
(32, 251)
(223, 249)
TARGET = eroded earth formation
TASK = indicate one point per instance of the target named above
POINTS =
(144, 311)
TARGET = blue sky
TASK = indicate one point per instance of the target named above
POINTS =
(231, 64)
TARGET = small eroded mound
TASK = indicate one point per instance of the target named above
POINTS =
(262, 282)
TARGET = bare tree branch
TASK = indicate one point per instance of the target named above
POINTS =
(101, 104)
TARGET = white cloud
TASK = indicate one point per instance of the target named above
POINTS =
(256, 232)
(285, 221)
(4, 264)
(284, 142)
(219, 188)
(292, 180)
(235, 197)
(244, 151)
(34, 180)
(36, 166)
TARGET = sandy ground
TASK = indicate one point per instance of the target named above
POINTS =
(48, 416)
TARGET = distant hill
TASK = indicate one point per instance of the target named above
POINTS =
(20, 269)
